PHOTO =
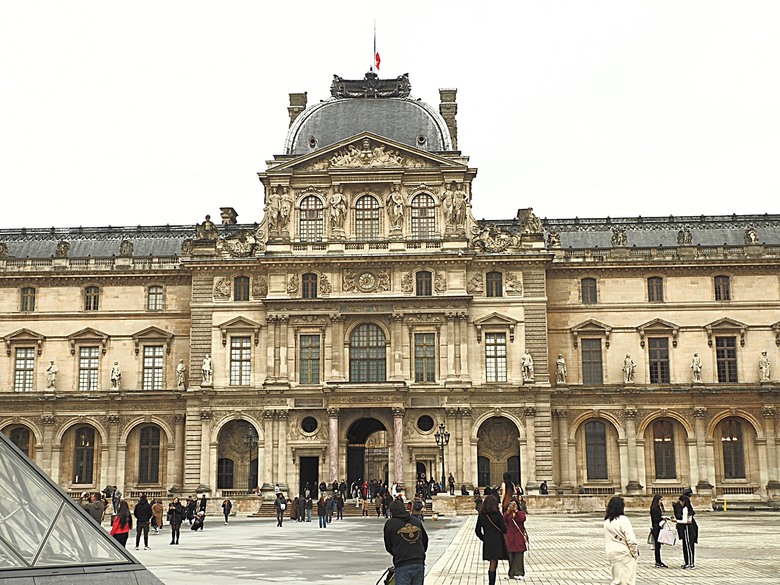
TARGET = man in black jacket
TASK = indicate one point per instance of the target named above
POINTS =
(143, 515)
(407, 541)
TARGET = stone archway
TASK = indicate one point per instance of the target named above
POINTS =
(236, 464)
(367, 451)
(498, 451)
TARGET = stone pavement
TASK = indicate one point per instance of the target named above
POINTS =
(565, 550)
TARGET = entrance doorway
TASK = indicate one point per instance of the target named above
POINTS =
(367, 451)
(498, 451)
(422, 475)
(310, 473)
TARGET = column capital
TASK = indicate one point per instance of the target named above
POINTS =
(333, 412)
(281, 414)
(699, 412)
(398, 412)
(48, 419)
(630, 413)
(529, 411)
(268, 414)
(178, 418)
(560, 413)
(768, 411)
(205, 415)
(336, 318)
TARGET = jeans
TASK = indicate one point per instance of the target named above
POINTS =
(323, 522)
(410, 575)
(142, 528)
(308, 514)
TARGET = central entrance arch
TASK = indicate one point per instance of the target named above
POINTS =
(498, 451)
(367, 451)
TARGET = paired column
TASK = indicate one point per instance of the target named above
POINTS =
(337, 373)
(268, 447)
(699, 414)
(463, 365)
(281, 430)
(398, 444)
(333, 444)
(769, 414)
(397, 347)
(633, 477)
(270, 367)
(563, 449)
(451, 341)
(283, 349)
(530, 439)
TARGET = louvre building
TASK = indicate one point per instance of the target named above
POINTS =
(331, 336)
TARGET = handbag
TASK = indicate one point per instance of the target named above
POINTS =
(668, 535)
(650, 539)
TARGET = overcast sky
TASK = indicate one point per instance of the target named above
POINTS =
(160, 112)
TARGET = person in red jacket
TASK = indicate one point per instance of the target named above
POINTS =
(516, 540)
(122, 524)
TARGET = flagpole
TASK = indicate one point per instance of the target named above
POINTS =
(373, 55)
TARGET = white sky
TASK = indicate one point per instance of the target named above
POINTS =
(160, 112)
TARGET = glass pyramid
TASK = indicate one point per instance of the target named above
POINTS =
(43, 531)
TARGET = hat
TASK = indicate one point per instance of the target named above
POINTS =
(398, 509)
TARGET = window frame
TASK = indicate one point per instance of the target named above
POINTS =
(27, 298)
(84, 454)
(590, 285)
(423, 283)
(91, 298)
(309, 359)
(496, 362)
(153, 371)
(158, 295)
(494, 284)
(226, 469)
(664, 449)
(596, 457)
(23, 446)
(726, 359)
(89, 368)
(309, 283)
(424, 356)
(312, 228)
(367, 218)
(422, 217)
(27, 374)
(588, 373)
(148, 454)
(242, 285)
(240, 359)
(722, 287)
(660, 366)
(368, 362)
(733, 458)
(655, 289)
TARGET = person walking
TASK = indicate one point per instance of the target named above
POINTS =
(687, 530)
(123, 522)
(301, 509)
(143, 516)
(330, 506)
(657, 519)
(175, 518)
(227, 506)
(620, 543)
(202, 503)
(451, 484)
(406, 540)
(516, 540)
(309, 506)
(339, 506)
(157, 516)
(322, 512)
(507, 491)
(280, 505)
(490, 529)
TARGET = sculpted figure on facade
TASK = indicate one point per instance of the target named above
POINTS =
(560, 369)
(62, 249)
(764, 367)
(116, 376)
(395, 207)
(751, 236)
(619, 237)
(684, 237)
(207, 369)
(476, 285)
(126, 248)
(554, 240)
(259, 287)
(51, 375)
(222, 288)
(273, 208)
(407, 283)
(181, 375)
(337, 208)
(696, 367)
(325, 286)
(459, 206)
(206, 230)
(529, 222)
(3, 250)
(447, 206)
(629, 367)
(528, 366)
(493, 239)
(285, 208)
(513, 285)
(440, 282)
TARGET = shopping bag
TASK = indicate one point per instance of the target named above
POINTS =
(668, 535)
(650, 539)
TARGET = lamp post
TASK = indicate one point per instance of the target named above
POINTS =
(442, 439)
(250, 442)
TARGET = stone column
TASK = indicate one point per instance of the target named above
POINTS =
(633, 473)
(456, 343)
(452, 452)
(704, 485)
(397, 347)
(469, 450)
(464, 347)
(283, 341)
(268, 448)
(529, 469)
(398, 444)
(333, 443)
(270, 350)
(450, 346)
(113, 448)
(773, 483)
(563, 449)
(178, 452)
(337, 371)
(205, 454)
(283, 455)
(45, 460)
(192, 441)
(121, 460)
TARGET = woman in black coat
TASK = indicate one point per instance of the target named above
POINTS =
(490, 530)
(656, 518)
(175, 518)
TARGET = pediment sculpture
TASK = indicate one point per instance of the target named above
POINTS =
(241, 244)
(493, 239)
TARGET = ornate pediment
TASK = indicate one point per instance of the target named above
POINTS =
(150, 335)
(367, 151)
(725, 326)
(24, 337)
(240, 325)
(657, 326)
(591, 327)
(88, 335)
(242, 244)
(498, 321)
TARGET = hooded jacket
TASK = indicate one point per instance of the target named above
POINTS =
(405, 537)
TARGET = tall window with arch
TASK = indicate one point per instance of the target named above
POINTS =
(733, 449)
(596, 450)
(84, 455)
(663, 450)
(225, 474)
(149, 455)
(310, 224)
(423, 217)
(367, 218)
(367, 354)
(20, 437)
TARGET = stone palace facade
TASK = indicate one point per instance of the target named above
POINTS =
(330, 340)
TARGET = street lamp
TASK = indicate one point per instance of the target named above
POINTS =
(250, 442)
(442, 438)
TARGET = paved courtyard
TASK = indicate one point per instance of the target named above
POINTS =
(565, 549)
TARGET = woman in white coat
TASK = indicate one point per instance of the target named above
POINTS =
(620, 543)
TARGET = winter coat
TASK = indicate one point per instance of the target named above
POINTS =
(117, 528)
(515, 532)
(176, 514)
(492, 537)
(143, 511)
(157, 510)
(321, 507)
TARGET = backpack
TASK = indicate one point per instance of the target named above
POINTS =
(418, 506)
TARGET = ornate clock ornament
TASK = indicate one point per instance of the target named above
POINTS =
(366, 281)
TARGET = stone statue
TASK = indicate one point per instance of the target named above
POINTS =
(684, 237)
(696, 367)
(181, 375)
(629, 367)
(764, 367)
(459, 203)
(126, 248)
(273, 208)
(528, 366)
(554, 240)
(62, 249)
(751, 236)
(285, 208)
(395, 207)
(560, 369)
(619, 237)
(529, 221)
(51, 375)
(207, 369)
(447, 202)
(116, 376)
(206, 230)
(337, 204)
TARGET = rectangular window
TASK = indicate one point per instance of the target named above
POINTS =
(658, 355)
(91, 298)
(24, 369)
(424, 357)
(153, 367)
(309, 372)
(495, 357)
(655, 289)
(494, 284)
(240, 360)
(596, 450)
(591, 362)
(726, 355)
(663, 449)
(722, 288)
(88, 368)
(28, 299)
(154, 300)
(309, 286)
(589, 291)
(241, 288)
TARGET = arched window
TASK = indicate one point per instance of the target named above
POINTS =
(596, 449)
(494, 284)
(225, 474)
(311, 224)
(149, 455)
(309, 286)
(663, 449)
(367, 354)
(91, 298)
(423, 217)
(241, 288)
(424, 283)
(589, 291)
(733, 449)
(20, 437)
(367, 218)
(84, 455)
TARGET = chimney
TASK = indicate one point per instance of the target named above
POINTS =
(448, 108)
(229, 216)
(297, 105)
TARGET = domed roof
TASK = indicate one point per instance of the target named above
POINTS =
(382, 107)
